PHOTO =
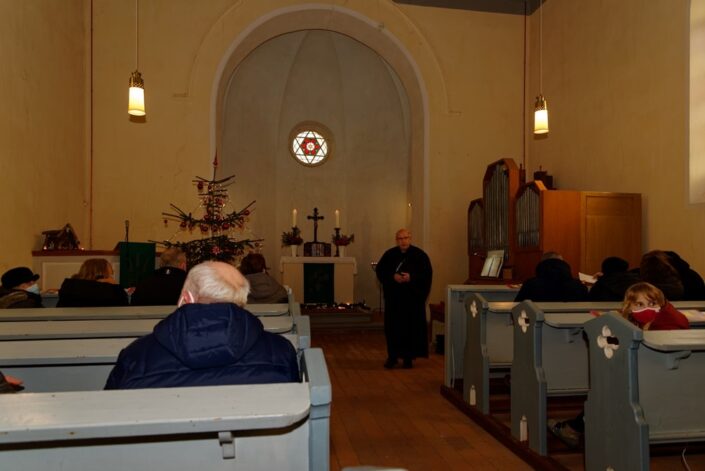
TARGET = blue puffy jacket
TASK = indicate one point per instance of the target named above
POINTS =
(202, 345)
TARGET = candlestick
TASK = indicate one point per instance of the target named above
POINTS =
(293, 217)
(337, 235)
(337, 218)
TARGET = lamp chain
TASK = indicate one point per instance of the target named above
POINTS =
(541, 47)
(137, 35)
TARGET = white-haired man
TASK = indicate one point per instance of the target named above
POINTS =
(209, 340)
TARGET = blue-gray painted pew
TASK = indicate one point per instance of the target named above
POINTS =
(257, 427)
(35, 330)
(490, 344)
(61, 365)
(646, 387)
(551, 359)
(455, 322)
(126, 312)
(488, 347)
(62, 356)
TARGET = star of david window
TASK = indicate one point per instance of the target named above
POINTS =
(310, 144)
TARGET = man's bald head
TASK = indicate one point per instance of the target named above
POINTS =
(215, 282)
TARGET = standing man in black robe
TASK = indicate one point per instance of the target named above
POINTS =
(405, 273)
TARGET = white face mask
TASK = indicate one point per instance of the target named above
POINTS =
(33, 289)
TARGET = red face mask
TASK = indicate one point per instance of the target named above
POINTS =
(645, 315)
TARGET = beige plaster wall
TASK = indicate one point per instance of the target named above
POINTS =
(470, 63)
(616, 79)
(43, 127)
(334, 80)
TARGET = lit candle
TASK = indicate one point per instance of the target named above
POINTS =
(337, 218)
(293, 217)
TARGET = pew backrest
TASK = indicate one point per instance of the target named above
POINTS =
(646, 385)
(455, 322)
(257, 427)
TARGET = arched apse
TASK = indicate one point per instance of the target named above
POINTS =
(409, 81)
(320, 78)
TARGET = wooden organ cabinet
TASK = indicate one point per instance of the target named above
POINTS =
(491, 220)
(583, 226)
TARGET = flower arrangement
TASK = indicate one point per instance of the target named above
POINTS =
(292, 238)
(341, 240)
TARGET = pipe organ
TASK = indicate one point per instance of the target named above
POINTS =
(526, 221)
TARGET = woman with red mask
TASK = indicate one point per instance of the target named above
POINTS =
(645, 306)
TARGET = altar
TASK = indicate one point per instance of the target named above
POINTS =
(324, 280)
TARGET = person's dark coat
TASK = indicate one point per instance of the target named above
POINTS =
(18, 299)
(265, 289)
(405, 303)
(612, 286)
(205, 345)
(75, 292)
(163, 288)
(553, 282)
(693, 284)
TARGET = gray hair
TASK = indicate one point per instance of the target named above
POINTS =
(217, 282)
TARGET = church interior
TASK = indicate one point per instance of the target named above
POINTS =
(415, 97)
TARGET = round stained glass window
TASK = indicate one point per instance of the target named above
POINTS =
(310, 146)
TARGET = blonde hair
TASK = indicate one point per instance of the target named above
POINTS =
(94, 269)
(651, 292)
(217, 282)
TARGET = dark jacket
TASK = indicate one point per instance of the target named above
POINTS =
(693, 284)
(161, 289)
(612, 286)
(205, 345)
(265, 289)
(75, 292)
(18, 299)
(553, 282)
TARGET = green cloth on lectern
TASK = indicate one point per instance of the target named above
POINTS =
(136, 262)
(318, 283)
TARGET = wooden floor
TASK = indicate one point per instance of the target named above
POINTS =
(397, 417)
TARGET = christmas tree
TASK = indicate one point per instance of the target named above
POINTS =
(221, 231)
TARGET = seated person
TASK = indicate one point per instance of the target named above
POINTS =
(209, 340)
(553, 282)
(263, 288)
(614, 280)
(646, 307)
(656, 269)
(93, 285)
(19, 289)
(164, 286)
(693, 284)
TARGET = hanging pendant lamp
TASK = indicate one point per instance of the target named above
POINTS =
(135, 104)
(540, 107)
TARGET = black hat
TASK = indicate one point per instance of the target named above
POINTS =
(16, 276)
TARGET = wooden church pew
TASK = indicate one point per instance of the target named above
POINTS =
(550, 359)
(490, 342)
(645, 387)
(35, 330)
(257, 427)
(121, 312)
(59, 355)
(455, 322)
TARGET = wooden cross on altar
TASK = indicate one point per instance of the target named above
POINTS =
(315, 218)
